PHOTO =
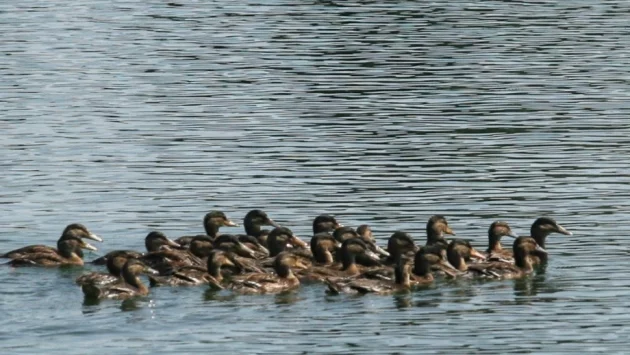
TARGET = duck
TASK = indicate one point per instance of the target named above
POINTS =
(68, 253)
(495, 251)
(153, 242)
(325, 223)
(324, 247)
(365, 233)
(460, 252)
(400, 244)
(280, 238)
(524, 250)
(253, 222)
(194, 275)
(401, 282)
(74, 230)
(348, 267)
(212, 221)
(114, 268)
(437, 227)
(265, 283)
(540, 229)
(421, 272)
(130, 285)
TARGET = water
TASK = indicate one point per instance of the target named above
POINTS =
(134, 116)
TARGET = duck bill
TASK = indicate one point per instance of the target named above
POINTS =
(382, 251)
(297, 242)
(172, 243)
(540, 249)
(562, 230)
(151, 271)
(271, 222)
(372, 256)
(230, 223)
(263, 249)
(477, 254)
(87, 246)
(94, 237)
(512, 235)
(245, 250)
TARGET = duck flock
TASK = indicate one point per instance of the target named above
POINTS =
(345, 259)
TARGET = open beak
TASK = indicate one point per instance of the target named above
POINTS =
(88, 246)
(229, 223)
(476, 254)
(297, 242)
(562, 230)
(246, 250)
(94, 237)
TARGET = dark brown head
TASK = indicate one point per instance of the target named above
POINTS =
(231, 243)
(523, 248)
(343, 233)
(365, 232)
(497, 230)
(323, 245)
(280, 237)
(459, 252)
(437, 227)
(70, 246)
(216, 260)
(255, 219)
(133, 268)
(325, 224)
(155, 241)
(80, 231)
(353, 247)
(544, 226)
(115, 264)
(201, 246)
(286, 261)
(214, 220)
(400, 243)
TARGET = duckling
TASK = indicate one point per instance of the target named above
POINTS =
(401, 283)
(253, 222)
(325, 224)
(283, 280)
(399, 244)
(365, 233)
(212, 221)
(254, 244)
(323, 246)
(348, 254)
(459, 252)
(75, 230)
(540, 229)
(281, 237)
(153, 242)
(495, 250)
(437, 226)
(131, 286)
(68, 252)
(194, 275)
(421, 273)
(114, 267)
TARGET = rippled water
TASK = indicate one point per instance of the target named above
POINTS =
(134, 116)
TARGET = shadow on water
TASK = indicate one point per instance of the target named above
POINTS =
(218, 295)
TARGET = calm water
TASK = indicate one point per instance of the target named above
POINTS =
(134, 116)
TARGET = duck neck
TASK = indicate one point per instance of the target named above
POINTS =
(539, 236)
(134, 280)
(284, 272)
(251, 228)
(401, 275)
(456, 259)
(322, 255)
(523, 262)
(348, 260)
(212, 229)
(422, 267)
(276, 246)
(214, 270)
(494, 244)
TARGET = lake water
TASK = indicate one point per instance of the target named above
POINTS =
(135, 116)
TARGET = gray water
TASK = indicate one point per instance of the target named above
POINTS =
(135, 116)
